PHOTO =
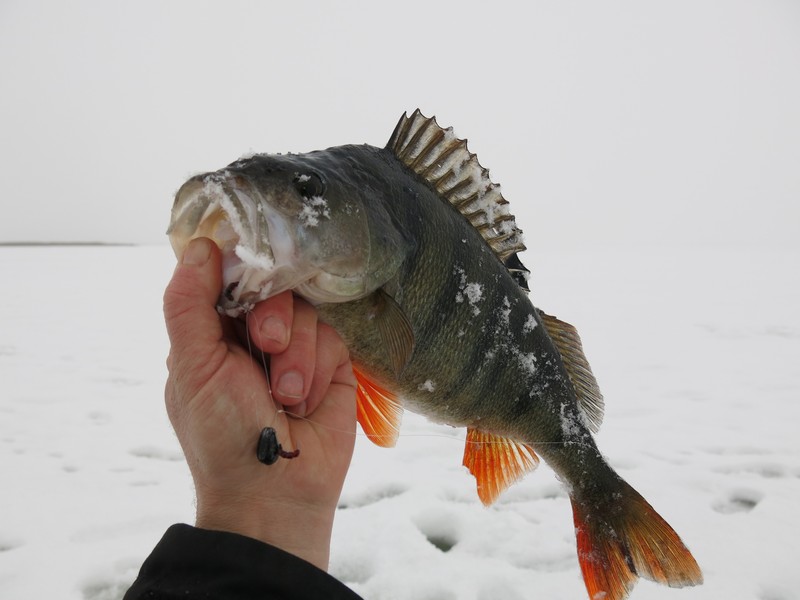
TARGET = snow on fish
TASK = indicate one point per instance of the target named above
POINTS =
(411, 254)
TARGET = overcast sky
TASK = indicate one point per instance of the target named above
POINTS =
(605, 122)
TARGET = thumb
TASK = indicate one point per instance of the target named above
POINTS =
(192, 321)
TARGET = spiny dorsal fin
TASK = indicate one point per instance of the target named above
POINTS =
(568, 342)
(518, 271)
(496, 462)
(443, 160)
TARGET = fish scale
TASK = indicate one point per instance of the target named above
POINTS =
(411, 253)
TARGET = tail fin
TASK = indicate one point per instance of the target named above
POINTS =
(623, 538)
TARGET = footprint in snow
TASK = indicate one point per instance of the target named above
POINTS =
(99, 417)
(769, 470)
(9, 543)
(737, 450)
(738, 501)
(440, 528)
(777, 591)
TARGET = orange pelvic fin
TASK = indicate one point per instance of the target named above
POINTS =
(632, 541)
(378, 410)
(496, 462)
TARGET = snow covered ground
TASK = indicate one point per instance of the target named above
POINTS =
(697, 353)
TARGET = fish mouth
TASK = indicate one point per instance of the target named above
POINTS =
(229, 210)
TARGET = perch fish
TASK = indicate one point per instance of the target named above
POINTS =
(411, 253)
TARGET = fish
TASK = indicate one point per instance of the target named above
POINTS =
(411, 253)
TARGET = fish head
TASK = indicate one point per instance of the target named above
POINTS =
(288, 222)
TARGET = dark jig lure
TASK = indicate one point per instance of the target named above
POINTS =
(269, 450)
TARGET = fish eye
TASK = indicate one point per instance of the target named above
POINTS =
(309, 185)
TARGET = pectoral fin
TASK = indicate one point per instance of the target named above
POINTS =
(378, 411)
(496, 462)
(395, 330)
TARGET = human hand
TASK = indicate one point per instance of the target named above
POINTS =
(218, 400)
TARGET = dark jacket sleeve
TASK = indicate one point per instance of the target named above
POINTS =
(193, 563)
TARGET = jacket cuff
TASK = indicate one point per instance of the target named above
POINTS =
(189, 562)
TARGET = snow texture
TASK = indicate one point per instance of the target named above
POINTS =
(314, 209)
(428, 386)
(702, 409)
(472, 292)
(256, 260)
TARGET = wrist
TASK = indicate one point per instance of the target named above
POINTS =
(299, 529)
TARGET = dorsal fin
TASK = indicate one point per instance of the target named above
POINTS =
(443, 160)
(518, 271)
(568, 342)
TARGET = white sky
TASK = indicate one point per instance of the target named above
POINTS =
(605, 122)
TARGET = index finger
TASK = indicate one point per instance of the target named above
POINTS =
(192, 322)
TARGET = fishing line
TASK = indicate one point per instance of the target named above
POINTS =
(264, 361)
(268, 442)
(268, 448)
(250, 353)
(453, 438)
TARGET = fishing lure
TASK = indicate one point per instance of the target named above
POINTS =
(269, 450)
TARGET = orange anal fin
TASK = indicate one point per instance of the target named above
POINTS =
(632, 541)
(378, 410)
(496, 462)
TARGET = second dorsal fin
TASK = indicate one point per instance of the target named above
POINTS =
(443, 160)
(568, 342)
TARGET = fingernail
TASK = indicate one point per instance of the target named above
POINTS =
(297, 409)
(197, 253)
(273, 328)
(290, 385)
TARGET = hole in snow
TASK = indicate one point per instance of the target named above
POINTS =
(743, 500)
(440, 528)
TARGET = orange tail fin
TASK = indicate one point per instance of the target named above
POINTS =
(625, 538)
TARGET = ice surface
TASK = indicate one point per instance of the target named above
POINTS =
(702, 407)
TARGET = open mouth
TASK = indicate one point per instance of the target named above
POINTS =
(225, 209)
(267, 249)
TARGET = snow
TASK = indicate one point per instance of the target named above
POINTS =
(472, 292)
(527, 360)
(530, 324)
(696, 352)
(256, 260)
(427, 386)
(314, 209)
